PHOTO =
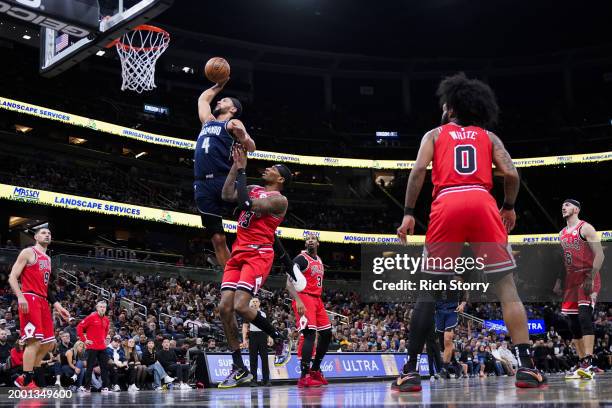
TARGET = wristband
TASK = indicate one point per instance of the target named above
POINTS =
(408, 211)
(507, 206)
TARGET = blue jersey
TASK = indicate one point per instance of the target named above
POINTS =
(213, 152)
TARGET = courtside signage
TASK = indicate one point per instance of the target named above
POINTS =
(71, 202)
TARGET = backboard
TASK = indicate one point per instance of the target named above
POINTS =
(74, 30)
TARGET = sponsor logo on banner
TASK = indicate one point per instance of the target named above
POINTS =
(166, 217)
(334, 365)
(535, 326)
(25, 194)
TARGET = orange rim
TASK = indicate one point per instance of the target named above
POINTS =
(143, 27)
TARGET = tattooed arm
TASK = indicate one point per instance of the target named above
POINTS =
(512, 181)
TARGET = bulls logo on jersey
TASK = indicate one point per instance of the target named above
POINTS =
(44, 264)
(316, 269)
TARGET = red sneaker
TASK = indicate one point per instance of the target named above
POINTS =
(308, 381)
(19, 381)
(318, 375)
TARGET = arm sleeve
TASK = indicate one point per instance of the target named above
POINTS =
(279, 250)
(301, 261)
(244, 202)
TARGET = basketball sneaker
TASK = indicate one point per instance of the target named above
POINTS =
(236, 377)
(20, 383)
(308, 381)
(318, 375)
(410, 382)
(529, 378)
(282, 351)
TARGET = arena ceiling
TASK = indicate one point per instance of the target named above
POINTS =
(402, 28)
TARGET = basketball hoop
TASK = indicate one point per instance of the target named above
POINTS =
(139, 50)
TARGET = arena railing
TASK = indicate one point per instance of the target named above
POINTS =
(146, 137)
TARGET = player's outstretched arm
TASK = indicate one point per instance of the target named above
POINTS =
(238, 130)
(589, 233)
(204, 111)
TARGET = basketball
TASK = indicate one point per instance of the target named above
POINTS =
(217, 69)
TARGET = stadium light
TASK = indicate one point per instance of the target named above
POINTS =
(100, 53)
(139, 155)
(26, 37)
(23, 128)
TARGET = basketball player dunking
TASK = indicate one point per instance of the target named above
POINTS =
(263, 209)
(310, 315)
(463, 210)
(33, 267)
(583, 257)
(221, 128)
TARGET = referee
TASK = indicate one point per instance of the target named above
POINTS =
(258, 343)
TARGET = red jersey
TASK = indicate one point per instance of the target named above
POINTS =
(462, 157)
(257, 229)
(577, 254)
(314, 275)
(35, 277)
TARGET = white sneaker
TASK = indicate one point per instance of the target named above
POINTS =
(104, 390)
(74, 378)
(158, 389)
(184, 386)
(133, 388)
(85, 390)
(168, 379)
(116, 388)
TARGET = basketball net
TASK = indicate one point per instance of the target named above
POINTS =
(139, 50)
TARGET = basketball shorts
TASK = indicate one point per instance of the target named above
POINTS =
(446, 317)
(574, 295)
(248, 268)
(211, 206)
(37, 323)
(466, 214)
(315, 318)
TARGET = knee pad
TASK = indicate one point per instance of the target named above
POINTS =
(585, 317)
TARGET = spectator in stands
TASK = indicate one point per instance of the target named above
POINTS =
(136, 371)
(169, 360)
(149, 359)
(506, 368)
(551, 334)
(10, 322)
(73, 364)
(17, 357)
(62, 347)
(117, 363)
(508, 357)
(3, 326)
(5, 348)
(71, 330)
(211, 346)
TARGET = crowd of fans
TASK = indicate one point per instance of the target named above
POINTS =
(157, 347)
